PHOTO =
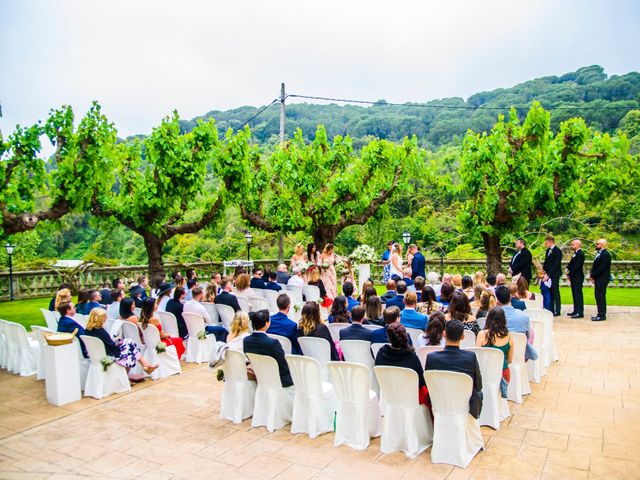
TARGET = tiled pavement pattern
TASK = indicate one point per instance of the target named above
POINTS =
(582, 421)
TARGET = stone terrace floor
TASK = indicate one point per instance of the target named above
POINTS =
(582, 421)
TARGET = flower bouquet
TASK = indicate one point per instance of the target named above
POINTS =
(363, 254)
(202, 335)
(106, 362)
(161, 347)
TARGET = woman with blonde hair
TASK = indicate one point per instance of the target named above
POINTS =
(311, 326)
(478, 290)
(396, 261)
(298, 258)
(210, 293)
(328, 272)
(63, 295)
(487, 303)
(479, 278)
(316, 281)
(239, 330)
(242, 286)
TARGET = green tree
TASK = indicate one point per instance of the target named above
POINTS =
(323, 187)
(174, 183)
(32, 189)
(522, 171)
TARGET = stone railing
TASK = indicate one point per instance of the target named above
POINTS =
(44, 283)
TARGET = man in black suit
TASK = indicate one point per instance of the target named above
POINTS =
(552, 267)
(356, 331)
(257, 281)
(575, 274)
(225, 297)
(391, 291)
(455, 360)
(259, 343)
(521, 261)
(398, 300)
(601, 276)
(272, 284)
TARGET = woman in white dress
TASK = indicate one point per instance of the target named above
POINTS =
(396, 260)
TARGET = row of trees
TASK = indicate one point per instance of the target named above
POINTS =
(174, 182)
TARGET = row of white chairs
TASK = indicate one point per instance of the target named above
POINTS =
(19, 353)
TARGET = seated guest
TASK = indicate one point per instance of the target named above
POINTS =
(446, 291)
(390, 315)
(311, 326)
(367, 285)
(127, 306)
(401, 354)
(491, 282)
(453, 359)
(373, 311)
(179, 281)
(95, 300)
(136, 292)
(515, 301)
(296, 279)
(143, 282)
(239, 330)
(456, 281)
(356, 331)
(487, 302)
(517, 321)
(194, 306)
(460, 309)
(501, 279)
(175, 306)
(433, 280)
(467, 287)
(398, 300)
(216, 278)
(316, 281)
(260, 343)
(256, 280)
(339, 312)
(63, 295)
(428, 305)
(83, 301)
(209, 293)
(225, 297)
(113, 309)
(406, 277)
(63, 287)
(478, 289)
(391, 291)
(479, 279)
(432, 336)
(164, 295)
(192, 282)
(409, 317)
(522, 291)
(282, 325)
(347, 291)
(191, 274)
(272, 284)
(496, 335)
(418, 284)
(105, 294)
(67, 324)
(147, 316)
(282, 274)
(125, 351)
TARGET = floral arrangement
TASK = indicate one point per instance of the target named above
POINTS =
(363, 254)
(308, 266)
(296, 308)
(161, 347)
(325, 265)
(202, 335)
(341, 269)
(106, 362)
(220, 375)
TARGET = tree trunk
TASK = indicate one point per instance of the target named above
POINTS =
(493, 252)
(323, 235)
(154, 245)
(280, 248)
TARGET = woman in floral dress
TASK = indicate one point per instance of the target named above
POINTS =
(328, 270)
(298, 258)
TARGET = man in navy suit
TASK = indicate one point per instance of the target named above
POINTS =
(356, 331)
(347, 290)
(67, 324)
(409, 317)
(418, 262)
(259, 343)
(391, 291)
(390, 315)
(552, 267)
(225, 297)
(516, 302)
(272, 284)
(453, 359)
(398, 300)
(282, 325)
(257, 281)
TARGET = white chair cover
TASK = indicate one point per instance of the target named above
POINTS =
(406, 424)
(422, 352)
(469, 339)
(519, 384)
(226, 314)
(284, 341)
(245, 306)
(238, 393)
(536, 368)
(456, 434)
(359, 351)
(100, 383)
(114, 327)
(311, 293)
(357, 409)
(314, 402)
(271, 296)
(414, 333)
(81, 319)
(494, 407)
(50, 319)
(113, 310)
(550, 348)
(258, 303)
(167, 361)
(375, 348)
(26, 353)
(169, 323)
(273, 406)
(319, 349)
(85, 364)
(39, 334)
(334, 330)
(372, 327)
(4, 345)
(212, 310)
(130, 331)
(537, 303)
(198, 351)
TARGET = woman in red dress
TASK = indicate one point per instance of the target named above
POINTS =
(149, 306)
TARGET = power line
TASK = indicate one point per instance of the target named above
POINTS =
(259, 112)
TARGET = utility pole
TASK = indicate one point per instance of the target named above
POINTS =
(282, 118)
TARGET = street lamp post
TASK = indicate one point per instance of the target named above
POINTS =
(10, 249)
(406, 236)
(249, 238)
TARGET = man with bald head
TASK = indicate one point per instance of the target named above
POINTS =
(600, 276)
(575, 274)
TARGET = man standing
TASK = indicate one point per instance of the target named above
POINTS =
(600, 276)
(552, 267)
(521, 261)
(575, 273)
(418, 262)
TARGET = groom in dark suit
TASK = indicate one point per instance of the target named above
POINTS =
(521, 261)
(418, 263)
(552, 267)
(601, 276)
(575, 273)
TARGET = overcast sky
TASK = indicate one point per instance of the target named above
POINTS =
(142, 59)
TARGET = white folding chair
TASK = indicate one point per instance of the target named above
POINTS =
(359, 351)
(258, 303)
(414, 333)
(27, 351)
(50, 319)
(468, 340)
(10, 355)
(494, 407)
(311, 293)
(114, 327)
(314, 401)
(130, 330)
(245, 306)
(136, 311)
(3, 346)
(81, 319)
(113, 310)
(284, 341)
(212, 310)
(198, 351)
(357, 409)
(550, 349)
(85, 364)
(406, 424)
(536, 368)
(169, 323)
(334, 330)
(519, 384)
(295, 292)
(100, 382)
(271, 296)
(39, 334)
(456, 434)
(273, 406)
(375, 348)
(422, 352)
(167, 361)
(226, 315)
(238, 392)
(319, 349)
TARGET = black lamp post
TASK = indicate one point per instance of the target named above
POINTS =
(10, 248)
(249, 238)
(406, 236)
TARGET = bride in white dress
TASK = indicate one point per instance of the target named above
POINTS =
(396, 260)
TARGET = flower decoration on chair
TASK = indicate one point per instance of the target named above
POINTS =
(220, 375)
(296, 308)
(363, 254)
(202, 335)
(161, 347)
(106, 362)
